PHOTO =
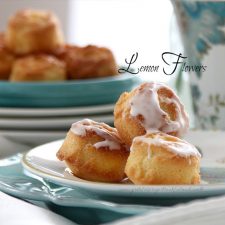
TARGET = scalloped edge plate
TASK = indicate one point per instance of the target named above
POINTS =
(42, 162)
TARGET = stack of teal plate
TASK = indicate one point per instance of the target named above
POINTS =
(35, 113)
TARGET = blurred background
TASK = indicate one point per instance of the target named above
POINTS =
(193, 28)
(124, 26)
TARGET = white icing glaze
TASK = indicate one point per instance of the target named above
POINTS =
(111, 139)
(145, 102)
(77, 129)
(181, 147)
(106, 143)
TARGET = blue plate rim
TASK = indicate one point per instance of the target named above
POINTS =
(116, 78)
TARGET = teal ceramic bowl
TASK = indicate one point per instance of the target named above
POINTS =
(67, 93)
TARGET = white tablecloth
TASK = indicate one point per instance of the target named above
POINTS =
(201, 212)
(18, 212)
(9, 147)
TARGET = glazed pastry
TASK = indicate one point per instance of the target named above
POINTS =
(148, 108)
(89, 62)
(94, 151)
(33, 31)
(6, 59)
(38, 68)
(158, 158)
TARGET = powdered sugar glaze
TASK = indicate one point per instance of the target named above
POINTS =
(111, 139)
(145, 102)
(179, 147)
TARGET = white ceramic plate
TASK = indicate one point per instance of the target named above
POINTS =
(42, 161)
(49, 123)
(44, 112)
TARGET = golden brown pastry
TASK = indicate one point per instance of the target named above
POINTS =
(94, 151)
(149, 107)
(6, 59)
(89, 62)
(158, 158)
(33, 31)
(39, 67)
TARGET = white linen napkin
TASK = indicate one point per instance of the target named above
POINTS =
(18, 212)
(9, 147)
(200, 212)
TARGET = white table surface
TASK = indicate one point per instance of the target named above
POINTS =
(17, 212)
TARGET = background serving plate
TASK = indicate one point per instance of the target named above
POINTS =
(67, 93)
(49, 123)
(52, 112)
(42, 161)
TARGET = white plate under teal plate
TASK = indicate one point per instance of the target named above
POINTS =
(31, 137)
(42, 161)
(49, 123)
(50, 112)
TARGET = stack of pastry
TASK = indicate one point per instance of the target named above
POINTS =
(33, 49)
(145, 146)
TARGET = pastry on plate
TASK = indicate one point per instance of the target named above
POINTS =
(40, 67)
(148, 108)
(94, 151)
(6, 59)
(32, 31)
(89, 62)
(158, 158)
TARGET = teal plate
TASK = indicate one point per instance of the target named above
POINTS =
(64, 94)
(15, 182)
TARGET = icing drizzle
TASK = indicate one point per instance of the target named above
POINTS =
(109, 134)
(176, 146)
(145, 102)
